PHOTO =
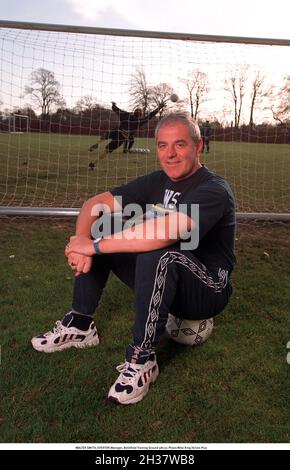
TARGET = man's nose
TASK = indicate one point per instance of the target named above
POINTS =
(171, 151)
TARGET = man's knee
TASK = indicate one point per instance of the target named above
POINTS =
(154, 260)
(149, 256)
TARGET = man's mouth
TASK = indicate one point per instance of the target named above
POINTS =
(172, 163)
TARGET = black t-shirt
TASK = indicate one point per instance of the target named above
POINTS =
(216, 209)
(130, 122)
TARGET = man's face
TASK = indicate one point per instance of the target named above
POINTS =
(177, 153)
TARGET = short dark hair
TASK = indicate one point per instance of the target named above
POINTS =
(182, 118)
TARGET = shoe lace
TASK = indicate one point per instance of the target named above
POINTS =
(56, 329)
(128, 372)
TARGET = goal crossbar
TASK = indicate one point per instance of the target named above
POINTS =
(143, 33)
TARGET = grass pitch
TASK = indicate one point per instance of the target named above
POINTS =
(234, 388)
(52, 170)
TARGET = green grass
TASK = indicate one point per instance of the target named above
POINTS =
(234, 388)
(52, 170)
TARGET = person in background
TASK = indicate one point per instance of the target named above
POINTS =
(124, 134)
(206, 133)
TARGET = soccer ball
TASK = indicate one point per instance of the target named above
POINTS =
(139, 150)
(189, 332)
(174, 98)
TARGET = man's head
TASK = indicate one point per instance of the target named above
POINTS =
(179, 145)
(138, 112)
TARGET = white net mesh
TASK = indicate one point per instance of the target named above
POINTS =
(64, 84)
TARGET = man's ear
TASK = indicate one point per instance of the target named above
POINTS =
(199, 147)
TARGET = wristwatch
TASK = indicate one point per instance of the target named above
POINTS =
(96, 246)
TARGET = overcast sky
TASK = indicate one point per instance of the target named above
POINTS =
(254, 18)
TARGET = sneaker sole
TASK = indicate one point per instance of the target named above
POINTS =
(82, 345)
(139, 397)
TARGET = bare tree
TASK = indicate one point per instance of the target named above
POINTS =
(197, 87)
(139, 90)
(160, 94)
(257, 92)
(281, 106)
(86, 103)
(45, 90)
(235, 85)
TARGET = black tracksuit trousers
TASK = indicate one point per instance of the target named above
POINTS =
(163, 281)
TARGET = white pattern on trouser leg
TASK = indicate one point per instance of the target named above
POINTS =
(199, 270)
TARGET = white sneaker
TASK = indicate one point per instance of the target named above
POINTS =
(133, 382)
(63, 337)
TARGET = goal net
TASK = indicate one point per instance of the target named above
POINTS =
(56, 94)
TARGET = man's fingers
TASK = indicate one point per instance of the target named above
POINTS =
(79, 263)
(87, 266)
(72, 261)
(80, 266)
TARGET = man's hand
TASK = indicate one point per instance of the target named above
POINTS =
(79, 263)
(81, 245)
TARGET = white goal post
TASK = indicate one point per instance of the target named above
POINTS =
(18, 124)
(56, 95)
